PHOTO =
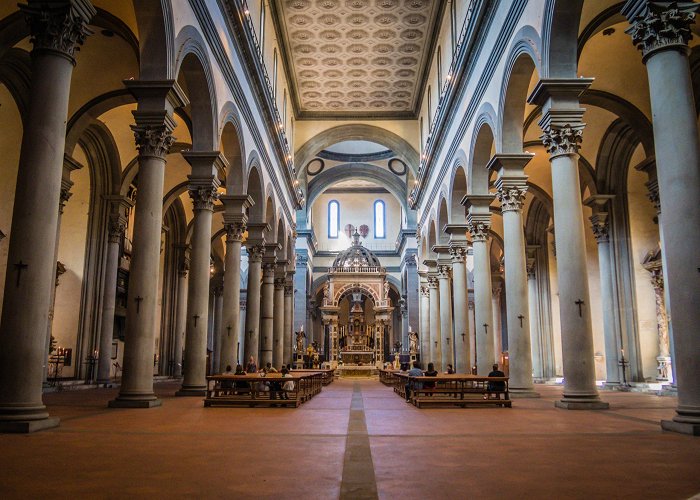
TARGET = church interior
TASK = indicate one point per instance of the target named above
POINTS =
(342, 191)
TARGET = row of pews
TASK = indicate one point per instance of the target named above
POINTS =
(459, 390)
(271, 390)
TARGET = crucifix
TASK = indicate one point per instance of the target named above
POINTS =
(448, 340)
(138, 300)
(463, 335)
(196, 317)
(228, 330)
(20, 266)
(521, 318)
(486, 328)
(579, 303)
(436, 343)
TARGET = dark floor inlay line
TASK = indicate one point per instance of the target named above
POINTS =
(358, 469)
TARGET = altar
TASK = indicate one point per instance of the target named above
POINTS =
(357, 357)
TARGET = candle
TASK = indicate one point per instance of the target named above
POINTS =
(622, 352)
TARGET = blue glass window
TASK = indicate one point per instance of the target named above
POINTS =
(379, 219)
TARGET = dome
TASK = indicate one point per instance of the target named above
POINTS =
(356, 256)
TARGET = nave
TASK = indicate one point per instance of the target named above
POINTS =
(354, 440)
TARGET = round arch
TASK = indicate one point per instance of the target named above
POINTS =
(356, 132)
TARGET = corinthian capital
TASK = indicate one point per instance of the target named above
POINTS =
(512, 198)
(458, 254)
(255, 253)
(204, 196)
(433, 282)
(444, 271)
(116, 227)
(234, 231)
(479, 230)
(660, 25)
(153, 140)
(562, 140)
(59, 26)
(601, 227)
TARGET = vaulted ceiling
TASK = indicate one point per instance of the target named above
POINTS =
(357, 58)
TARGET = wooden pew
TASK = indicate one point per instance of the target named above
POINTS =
(386, 376)
(453, 390)
(328, 374)
(249, 390)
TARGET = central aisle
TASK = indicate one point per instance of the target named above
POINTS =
(354, 440)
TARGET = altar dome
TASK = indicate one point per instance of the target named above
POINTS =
(356, 255)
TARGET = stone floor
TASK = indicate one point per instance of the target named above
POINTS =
(354, 440)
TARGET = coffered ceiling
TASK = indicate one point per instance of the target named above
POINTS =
(357, 58)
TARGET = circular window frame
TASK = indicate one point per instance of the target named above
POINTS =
(320, 168)
(393, 170)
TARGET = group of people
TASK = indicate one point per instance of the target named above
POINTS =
(276, 389)
(416, 371)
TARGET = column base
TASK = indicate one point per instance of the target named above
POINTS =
(191, 392)
(581, 404)
(28, 426)
(523, 393)
(692, 429)
(126, 402)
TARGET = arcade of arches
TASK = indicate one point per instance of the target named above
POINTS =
(188, 184)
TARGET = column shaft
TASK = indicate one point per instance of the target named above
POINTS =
(278, 323)
(104, 363)
(30, 278)
(435, 324)
(461, 308)
(181, 321)
(482, 308)
(203, 194)
(267, 314)
(424, 324)
(232, 296)
(252, 314)
(288, 321)
(446, 340)
(662, 32)
(219, 331)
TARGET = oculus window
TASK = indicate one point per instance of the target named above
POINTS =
(333, 219)
(379, 219)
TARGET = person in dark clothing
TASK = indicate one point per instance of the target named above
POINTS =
(432, 372)
(496, 386)
(413, 372)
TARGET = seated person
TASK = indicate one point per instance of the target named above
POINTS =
(227, 384)
(432, 372)
(242, 385)
(496, 386)
(288, 385)
(413, 372)
(449, 370)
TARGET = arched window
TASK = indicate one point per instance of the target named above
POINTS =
(333, 219)
(453, 25)
(379, 219)
(430, 110)
(284, 109)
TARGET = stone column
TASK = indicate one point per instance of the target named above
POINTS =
(219, 332)
(444, 274)
(512, 186)
(496, 310)
(255, 245)
(563, 129)
(535, 331)
(278, 320)
(424, 321)
(435, 323)
(288, 319)
(56, 31)
(181, 322)
(600, 224)
(203, 190)
(661, 30)
(153, 132)
(664, 358)
(458, 253)
(235, 220)
(119, 206)
(267, 304)
(479, 219)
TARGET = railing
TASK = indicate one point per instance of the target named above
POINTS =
(357, 269)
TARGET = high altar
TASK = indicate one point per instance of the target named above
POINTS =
(356, 310)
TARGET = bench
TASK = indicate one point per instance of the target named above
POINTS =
(453, 390)
(328, 374)
(258, 391)
(386, 376)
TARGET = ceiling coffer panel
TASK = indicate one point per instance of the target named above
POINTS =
(357, 57)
